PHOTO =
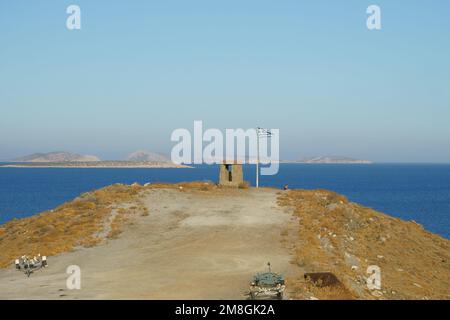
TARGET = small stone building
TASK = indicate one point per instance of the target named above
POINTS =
(231, 174)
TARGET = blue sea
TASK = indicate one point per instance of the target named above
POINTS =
(419, 192)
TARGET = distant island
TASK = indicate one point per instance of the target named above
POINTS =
(330, 160)
(96, 164)
(62, 159)
(137, 159)
(143, 155)
(57, 156)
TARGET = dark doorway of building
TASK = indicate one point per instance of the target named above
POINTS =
(230, 172)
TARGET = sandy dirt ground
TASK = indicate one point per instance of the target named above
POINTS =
(192, 245)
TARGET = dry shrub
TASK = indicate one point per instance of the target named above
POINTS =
(144, 211)
(198, 185)
(116, 226)
(244, 185)
(330, 292)
(192, 185)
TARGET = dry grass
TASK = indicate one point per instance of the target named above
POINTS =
(192, 186)
(206, 188)
(75, 223)
(116, 227)
(305, 289)
(336, 235)
(244, 185)
(80, 222)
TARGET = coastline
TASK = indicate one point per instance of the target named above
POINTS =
(325, 162)
(96, 165)
(217, 228)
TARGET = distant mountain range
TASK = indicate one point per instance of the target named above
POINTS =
(143, 155)
(147, 156)
(330, 160)
(58, 156)
(62, 156)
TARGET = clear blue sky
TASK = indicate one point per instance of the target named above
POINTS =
(139, 69)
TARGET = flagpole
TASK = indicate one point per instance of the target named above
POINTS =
(257, 157)
(260, 132)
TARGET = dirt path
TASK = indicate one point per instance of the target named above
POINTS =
(192, 245)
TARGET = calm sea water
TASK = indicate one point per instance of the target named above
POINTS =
(418, 192)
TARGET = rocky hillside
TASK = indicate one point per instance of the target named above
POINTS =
(345, 238)
(58, 156)
(330, 242)
(76, 223)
